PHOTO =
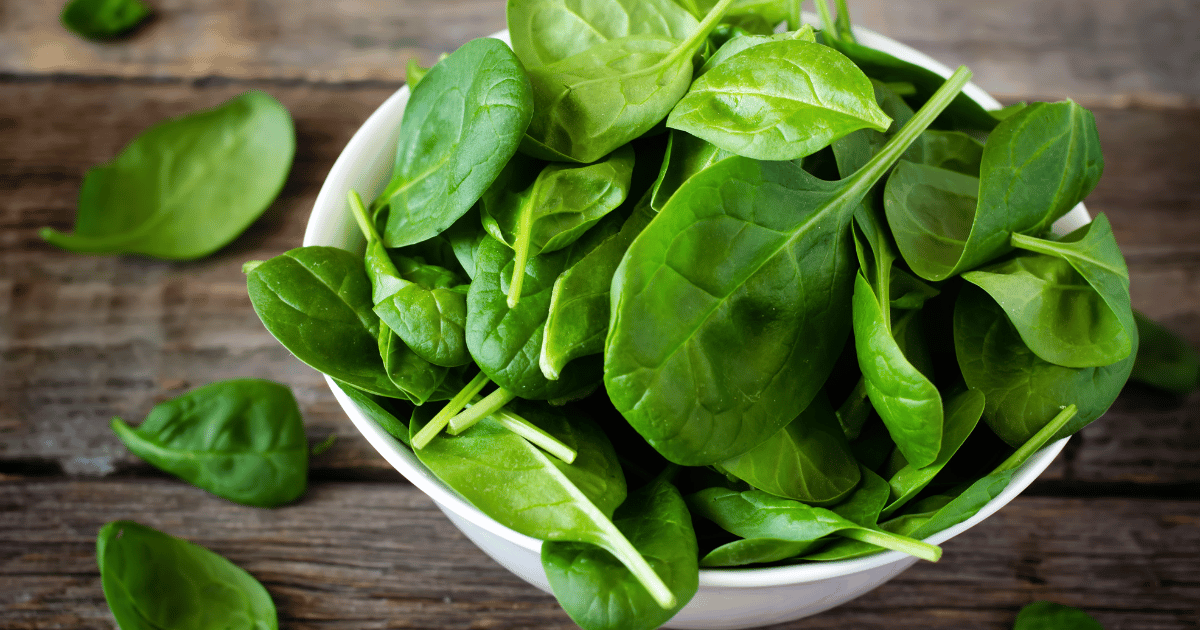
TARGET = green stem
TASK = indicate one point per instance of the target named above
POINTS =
(460, 400)
(535, 435)
(895, 542)
(689, 46)
(845, 33)
(793, 18)
(490, 404)
(521, 246)
(359, 212)
(853, 413)
(1038, 440)
(827, 24)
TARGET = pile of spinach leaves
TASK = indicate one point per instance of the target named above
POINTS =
(672, 284)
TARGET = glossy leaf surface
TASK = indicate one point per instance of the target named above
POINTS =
(546, 31)
(103, 19)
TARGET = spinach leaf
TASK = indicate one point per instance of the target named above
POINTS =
(855, 149)
(373, 407)
(1036, 166)
(750, 340)
(963, 412)
(766, 521)
(779, 100)
(808, 460)
(242, 440)
(103, 19)
(863, 507)
(1051, 616)
(152, 580)
(316, 301)
(600, 593)
(462, 123)
(1023, 392)
(596, 100)
(524, 489)
(417, 378)
(577, 322)
(506, 342)
(546, 31)
(414, 71)
(737, 44)
(555, 208)
(1164, 359)
(686, 156)
(186, 187)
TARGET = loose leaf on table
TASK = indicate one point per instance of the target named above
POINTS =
(461, 125)
(600, 593)
(1070, 301)
(749, 341)
(1051, 616)
(1036, 166)
(152, 581)
(506, 342)
(186, 187)
(1164, 359)
(1024, 392)
(782, 528)
(590, 103)
(779, 100)
(525, 489)
(534, 209)
(103, 19)
(242, 440)
(316, 301)
(808, 460)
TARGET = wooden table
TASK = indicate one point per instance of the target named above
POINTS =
(1112, 527)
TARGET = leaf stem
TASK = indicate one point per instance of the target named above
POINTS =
(490, 404)
(535, 435)
(845, 33)
(793, 18)
(895, 542)
(521, 246)
(1038, 440)
(359, 212)
(460, 400)
(827, 25)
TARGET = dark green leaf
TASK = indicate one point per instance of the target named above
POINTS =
(1051, 616)
(103, 19)
(1164, 359)
(373, 407)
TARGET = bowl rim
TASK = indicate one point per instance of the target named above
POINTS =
(327, 225)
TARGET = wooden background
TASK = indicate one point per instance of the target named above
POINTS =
(1113, 526)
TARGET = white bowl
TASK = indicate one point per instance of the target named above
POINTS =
(728, 598)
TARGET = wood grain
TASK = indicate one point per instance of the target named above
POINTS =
(357, 556)
(1103, 51)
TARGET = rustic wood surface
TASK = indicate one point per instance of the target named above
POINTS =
(1113, 526)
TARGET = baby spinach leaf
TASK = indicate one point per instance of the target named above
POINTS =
(524, 489)
(1036, 166)
(506, 342)
(686, 156)
(808, 460)
(963, 412)
(462, 123)
(152, 580)
(547, 31)
(951, 150)
(1164, 359)
(1051, 616)
(779, 100)
(600, 593)
(417, 378)
(186, 187)
(373, 407)
(737, 44)
(598, 99)
(1024, 392)
(317, 302)
(414, 71)
(553, 210)
(863, 507)
(577, 322)
(756, 515)
(962, 507)
(750, 340)
(242, 440)
(855, 149)
(103, 19)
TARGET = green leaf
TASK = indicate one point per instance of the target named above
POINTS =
(317, 302)
(186, 187)
(780, 100)
(103, 19)
(547, 31)
(748, 342)
(742, 42)
(808, 460)
(462, 123)
(373, 407)
(418, 379)
(863, 507)
(242, 440)
(686, 156)
(1164, 359)
(1023, 391)
(1051, 616)
(153, 581)
(1036, 166)
(600, 593)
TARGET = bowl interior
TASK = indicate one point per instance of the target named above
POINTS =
(365, 166)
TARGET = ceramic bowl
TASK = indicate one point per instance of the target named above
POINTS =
(727, 598)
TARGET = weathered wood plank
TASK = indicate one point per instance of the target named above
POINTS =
(381, 556)
(85, 338)
(1102, 51)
